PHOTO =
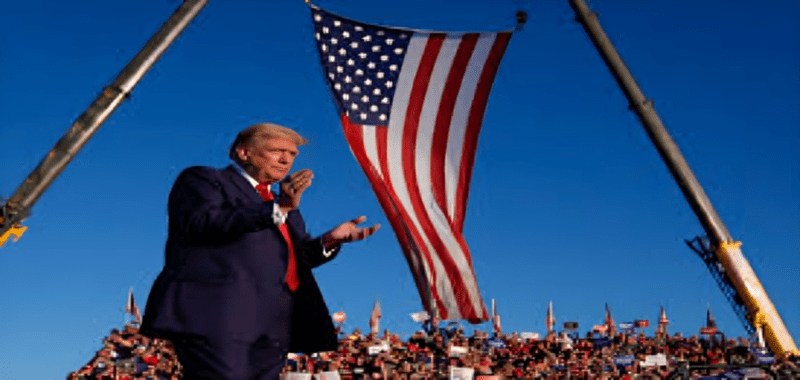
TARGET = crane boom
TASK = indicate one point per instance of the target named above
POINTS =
(761, 313)
(17, 208)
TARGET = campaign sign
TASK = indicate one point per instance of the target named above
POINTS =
(749, 373)
(458, 351)
(601, 342)
(764, 358)
(327, 375)
(461, 373)
(623, 360)
(708, 331)
(295, 376)
(496, 343)
(383, 346)
(654, 360)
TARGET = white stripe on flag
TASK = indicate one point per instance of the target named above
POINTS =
(458, 124)
(397, 176)
(455, 279)
(371, 147)
(422, 161)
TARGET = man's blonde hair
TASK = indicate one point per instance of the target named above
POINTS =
(256, 134)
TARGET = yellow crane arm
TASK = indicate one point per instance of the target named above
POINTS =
(762, 312)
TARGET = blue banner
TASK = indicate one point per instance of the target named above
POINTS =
(764, 358)
(627, 327)
(496, 342)
(623, 360)
(742, 373)
(601, 342)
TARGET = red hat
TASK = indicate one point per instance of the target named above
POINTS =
(151, 360)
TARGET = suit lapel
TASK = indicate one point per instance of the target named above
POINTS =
(241, 183)
(245, 187)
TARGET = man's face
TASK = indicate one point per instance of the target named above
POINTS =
(271, 161)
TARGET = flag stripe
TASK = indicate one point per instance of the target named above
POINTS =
(470, 56)
(355, 136)
(396, 184)
(412, 253)
(464, 60)
(476, 112)
(413, 113)
(455, 282)
(419, 258)
(401, 164)
(455, 143)
(439, 157)
(438, 55)
(370, 148)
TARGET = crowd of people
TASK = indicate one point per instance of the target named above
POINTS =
(449, 353)
(128, 355)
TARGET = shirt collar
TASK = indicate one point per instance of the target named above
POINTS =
(244, 174)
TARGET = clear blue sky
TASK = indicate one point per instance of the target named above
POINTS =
(569, 200)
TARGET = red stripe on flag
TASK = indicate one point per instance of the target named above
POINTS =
(445, 115)
(412, 250)
(473, 318)
(398, 218)
(474, 125)
(413, 112)
(438, 161)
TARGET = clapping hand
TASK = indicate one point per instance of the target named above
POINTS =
(292, 187)
(348, 232)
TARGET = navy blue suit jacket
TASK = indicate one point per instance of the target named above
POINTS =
(225, 266)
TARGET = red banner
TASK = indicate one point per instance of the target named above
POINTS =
(708, 330)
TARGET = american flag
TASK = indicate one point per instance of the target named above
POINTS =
(131, 308)
(662, 322)
(610, 322)
(497, 327)
(710, 321)
(375, 318)
(662, 319)
(550, 320)
(411, 105)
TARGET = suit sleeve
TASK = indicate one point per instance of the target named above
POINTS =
(309, 250)
(198, 206)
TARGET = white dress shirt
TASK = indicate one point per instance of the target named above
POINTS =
(278, 217)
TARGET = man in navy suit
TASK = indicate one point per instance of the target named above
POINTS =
(236, 292)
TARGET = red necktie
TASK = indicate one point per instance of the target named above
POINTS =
(291, 270)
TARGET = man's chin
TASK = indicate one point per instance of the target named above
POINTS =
(276, 177)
